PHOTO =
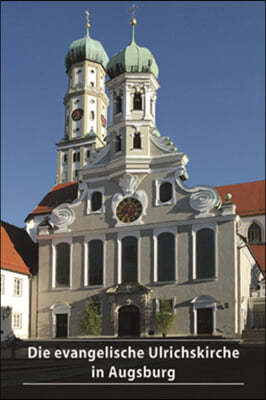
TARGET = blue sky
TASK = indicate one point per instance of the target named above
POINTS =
(211, 101)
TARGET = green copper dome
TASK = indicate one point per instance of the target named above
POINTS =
(132, 58)
(86, 49)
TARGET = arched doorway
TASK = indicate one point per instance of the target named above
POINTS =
(128, 321)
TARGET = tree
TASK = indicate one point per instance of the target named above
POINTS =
(165, 317)
(91, 322)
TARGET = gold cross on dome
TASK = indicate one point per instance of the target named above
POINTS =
(87, 18)
(133, 11)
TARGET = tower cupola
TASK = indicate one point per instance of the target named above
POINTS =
(132, 58)
(86, 48)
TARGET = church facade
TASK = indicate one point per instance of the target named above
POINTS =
(132, 232)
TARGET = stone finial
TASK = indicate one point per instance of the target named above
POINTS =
(228, 197)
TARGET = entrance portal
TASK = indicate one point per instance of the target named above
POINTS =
(205, 320)
(128, 321)
(61, 325)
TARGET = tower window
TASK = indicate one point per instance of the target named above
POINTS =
(166, 192)
(92, 115)
(254, 233)
(118, 104)
(76, 157)
(118, 143)
(88, 154)
(96, 201)
(137, 102)
(92, 84)
(64, 158)
(137, 141)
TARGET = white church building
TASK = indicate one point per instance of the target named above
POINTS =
(122, 226)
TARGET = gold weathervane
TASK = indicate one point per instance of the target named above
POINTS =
(87, 19)
(133, 10)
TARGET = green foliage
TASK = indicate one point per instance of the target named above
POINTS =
(91, 322)
(165, 317)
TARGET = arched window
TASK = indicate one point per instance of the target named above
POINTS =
(118, 104)
(166, 192)
(137, 141)
(62, 278)
(91, 115)
(205, 254)
(95, 262)
(137, 102)
(166, 257)
(118, 143)
(129, 259)
(76, 157)
(96, 201)
(254, 233)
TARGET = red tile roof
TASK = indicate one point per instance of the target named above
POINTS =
(62, 193)
(259, 254)
(249, 197)
(10, 258)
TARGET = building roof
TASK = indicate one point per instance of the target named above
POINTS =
(259, 254)
(18, 251)
(62, 193)
(249, 197)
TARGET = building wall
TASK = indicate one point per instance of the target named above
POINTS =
(246, 264)
(18, 304)
(222, 289)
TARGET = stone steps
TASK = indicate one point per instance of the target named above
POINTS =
(253, 335)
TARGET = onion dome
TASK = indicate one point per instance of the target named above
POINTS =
(86, 48)
(132, 58)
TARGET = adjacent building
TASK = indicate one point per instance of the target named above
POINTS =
(18, 261)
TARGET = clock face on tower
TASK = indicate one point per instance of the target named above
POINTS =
(129, 210)
(77, 114)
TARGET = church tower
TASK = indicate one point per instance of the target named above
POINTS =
(132, 90)
(86, 106)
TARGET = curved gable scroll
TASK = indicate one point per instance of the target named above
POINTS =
(203, 199)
